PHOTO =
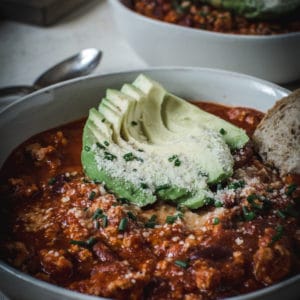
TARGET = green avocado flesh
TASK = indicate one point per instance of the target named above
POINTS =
(146, 144)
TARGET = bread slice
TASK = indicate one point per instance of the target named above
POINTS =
(277, 137)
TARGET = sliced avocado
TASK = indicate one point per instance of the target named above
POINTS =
(179, 114)
(148, 154)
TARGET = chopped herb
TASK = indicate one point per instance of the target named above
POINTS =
(162, 187)
(106, 143)
(140, 150)
(99, 145)
(177, 162)
(171, 158)
(182, 264)
(103, 120)
(281, 214)
(86, 244)
(291, 189)
(51, 181)
(209, 201)
(174, 158)
(123, 224)
(85, 180)
(277, 236)
(151, 222)
(97, 224)
(144, 185)
(223, 131)
(218, 204)
(290, 210)
(255, 204)
(216, 221)
(104, 221)
(92, 195)
(172, 219)
(109, 156)
(97, 214)
(236, 184)
(134, 123)
(248, 215)
(129, 157)
(131, 216)
(123, 200)
(87, 148)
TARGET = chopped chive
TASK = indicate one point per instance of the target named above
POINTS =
(129, 157)
(172, 219)
(218, 204)
(123, 224)
(134, 123)
(171, 158)
(131, 216)
(209, 201)
(291, 189)
(85, 244)
(216, 221)
(151, 222)
(162, 187)
(104, 221)
(51, 181)
(109, 156)
(87, 148)
(97, 214)
(236, 184)
(123, 200)
(182, 264)
(99, 145)
(248, 215)
(106, 143)
(280, 214)
(92, 195)
(223, 131)
(177, 162)
(277, 236)
(140, 150)
(144, 185)
(103, 120)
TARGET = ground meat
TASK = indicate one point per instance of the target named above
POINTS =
(198, 15)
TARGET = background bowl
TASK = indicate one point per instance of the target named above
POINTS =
(274, 58)
(69, 101)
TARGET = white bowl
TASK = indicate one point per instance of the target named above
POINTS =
(274, 58)
(69, 101)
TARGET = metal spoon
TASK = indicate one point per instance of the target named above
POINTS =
(80, 64)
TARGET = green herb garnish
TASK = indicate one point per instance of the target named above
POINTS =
(216, 221)
(106, 143)
(123, 224)
(248, 215)
(100, 146)
(134, 123)
(223, 131)
(109, 156)
(85, 244)
(291, 189)
(144, 185)
(182, 264)
(51, 181)
(172, 219)
(277, 236)
(131, 216)
(92, 195)
(236, 184)
(151, 222)
(87, 148)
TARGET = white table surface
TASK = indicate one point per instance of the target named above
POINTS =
(27, 50)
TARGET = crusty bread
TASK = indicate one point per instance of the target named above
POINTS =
(277, 137)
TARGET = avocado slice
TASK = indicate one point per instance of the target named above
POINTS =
(134, 135)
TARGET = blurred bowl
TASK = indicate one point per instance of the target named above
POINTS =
(274, 58)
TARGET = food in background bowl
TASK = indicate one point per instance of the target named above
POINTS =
(67, 229)
(202, 15)
(272, 57)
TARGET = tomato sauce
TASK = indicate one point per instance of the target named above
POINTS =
(61, 227)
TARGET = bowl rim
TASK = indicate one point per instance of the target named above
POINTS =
(146, 69)
(186, 29)
(11, 271)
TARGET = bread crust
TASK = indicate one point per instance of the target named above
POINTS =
(277, 137)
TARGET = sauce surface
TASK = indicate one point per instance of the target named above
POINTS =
(58, 226)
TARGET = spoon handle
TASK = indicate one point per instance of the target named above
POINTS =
(17, 91)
